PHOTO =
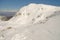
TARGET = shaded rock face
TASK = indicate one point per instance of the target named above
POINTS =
(4, 18)
(8, 18)
(7, 15)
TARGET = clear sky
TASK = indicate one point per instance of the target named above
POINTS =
(17, 4)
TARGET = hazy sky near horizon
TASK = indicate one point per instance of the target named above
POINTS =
(17, 4)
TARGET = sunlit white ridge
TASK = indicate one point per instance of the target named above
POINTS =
(34, 13)
(22, 25)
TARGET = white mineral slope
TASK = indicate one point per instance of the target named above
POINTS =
(35, 13)
(47, 31)
(33, 22)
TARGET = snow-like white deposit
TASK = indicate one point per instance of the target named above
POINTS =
(31, 23)
(35, 13)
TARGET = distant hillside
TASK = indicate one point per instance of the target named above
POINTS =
(8, 14)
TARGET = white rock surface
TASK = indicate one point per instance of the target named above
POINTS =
(33, 22)
(34, 13)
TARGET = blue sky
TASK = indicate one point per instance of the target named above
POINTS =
(17, 4)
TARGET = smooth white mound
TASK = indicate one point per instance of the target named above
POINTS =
(24, 25)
